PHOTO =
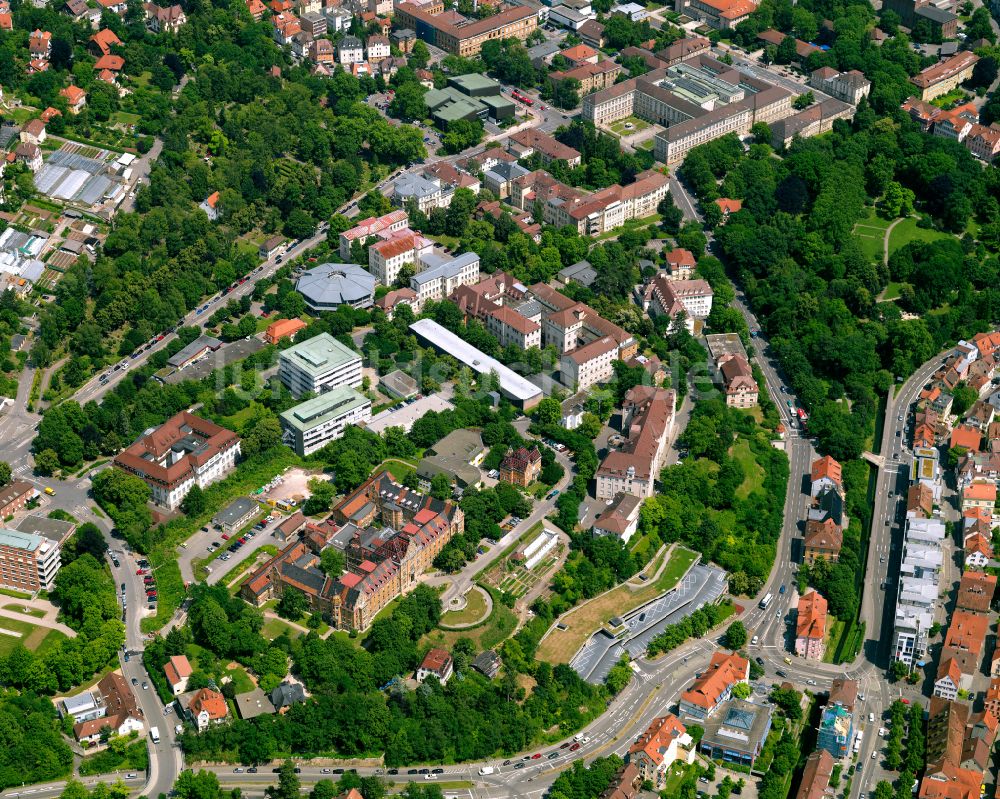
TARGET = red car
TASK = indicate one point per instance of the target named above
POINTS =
(904, 700)
(574, 747)
(151, 594)
(160, 337)
(225, 536)
(536, 755)
(140, 571)
(243, 540)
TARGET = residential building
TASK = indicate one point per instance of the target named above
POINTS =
(319, 364)
(15, 496)
(167, 19)
(458, 35)
(816, 775)
(739, 383)
(810, 630)
(40, 44)
(498, 178)
(428, 192)
(942, 77)
(529, 141)
(389, 535)
(978, 550)
(29, 154)
(736, 734)
(836, 729)
(664, 297)
(620, 519)
(177, 670)
(663, 743)
(33, 132)
(592, 76)
(957, 749)
(117, 710)
(377, 48)
(283, 328)
(516, 388)
(521, 466)
(714, 686)
(439, 276)
(210, 205)
(287, 694)
(311, 425)
(567, 325)
(843, 692)
(964, 643)
(680, 264)
(76, 98)
(204, 708)
(634, 467)
(823, 539)
(976, 591)
(350, 50)
(826, 475)
(979, 495)
(436, 663)
(102, 42)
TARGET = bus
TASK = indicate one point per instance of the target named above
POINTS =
(766, 601)
(857, 743)
(803, 417)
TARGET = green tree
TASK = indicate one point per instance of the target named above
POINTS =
(331, 561)
(321, 497)
(736, 636)
(293, 604)
(5, 473)
(193, 503)
(440, 486)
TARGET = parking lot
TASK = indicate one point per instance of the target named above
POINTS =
(210, 539)
(702, 584)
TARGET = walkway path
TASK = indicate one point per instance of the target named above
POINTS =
(885, 241)
(48, 620)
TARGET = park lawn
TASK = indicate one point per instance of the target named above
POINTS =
(16, 608)
(907, 231)
(498, 627)
(635, 123)
(241, 680)
(891, 292)
(870, 233)
(559, 646)
(473, 611)
(754, 479)
(125, 118)
(274, 627)
(34, 638)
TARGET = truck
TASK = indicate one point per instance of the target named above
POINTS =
(486, 770)
(766, 601)
(154, 734)
(857, 743)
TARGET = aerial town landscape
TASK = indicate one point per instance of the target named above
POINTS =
(558, 399)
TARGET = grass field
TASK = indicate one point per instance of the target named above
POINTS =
(870, 234)
(274, 627)
(754, 472)
(33, 637)
(560, 645)
(907, 231)
(473, 611)
(628, 126)
(891, 292)
(501, 623)
(14, 606)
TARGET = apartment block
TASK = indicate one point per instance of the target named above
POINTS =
(387, 257)
(590, 364)
(942, 77)
(714, 686)
(917, 596)
(319, 364)
(370, 228)
(662, 296)
(848, 86)
(810, 627)
(311, 425)
(27, 562)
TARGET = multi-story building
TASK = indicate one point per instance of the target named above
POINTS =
(826, 474)
(185, 451)
(736, 734)
(319, 364)
(521, 466)
(383, 226)
(680, 264)
(389, 535)
(15, 496)
(311, 425)
(529, 141)
(918, 588)
(512, 329)
(634, 467)
(164, 19)
(739, 383)
(588, 365)
(27, 562)
(810, 628)
(942, 22)
(816, 776)
(387, 257)
(823, 539)
(350, 50)
(665, 297)
(567, 325)
(378, 48)
(848, 86)
(328, 286)
(441, 275)
(663, 743)
(620, 519)
(720, 14)
(698, 99)
(958, 749)
(836, 728)
(714, 686)
(459, 35)
(592, 77)
(942, 77)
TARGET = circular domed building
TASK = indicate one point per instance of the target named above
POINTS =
(328, 286)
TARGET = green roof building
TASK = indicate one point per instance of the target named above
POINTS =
(319, 364)
(475, 85)
(311, 425)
